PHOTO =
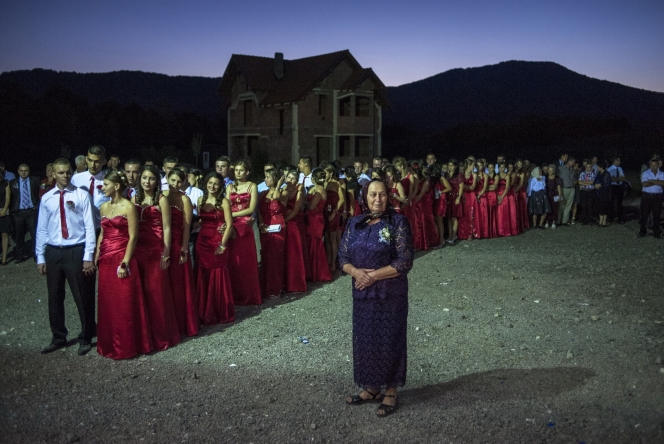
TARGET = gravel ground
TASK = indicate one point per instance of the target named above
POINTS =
(551, 336)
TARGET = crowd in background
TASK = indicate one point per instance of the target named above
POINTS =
(182, 243)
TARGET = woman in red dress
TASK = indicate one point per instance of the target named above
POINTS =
(296, 276)
(520, 195)
(332, 213)
(441, 192)
(482, 213)
(213, 282)
(48, 182)
(180, 272)
(272, 226)
(455, 205)
(492, 201)
(515, 226)
(397, 195)
(123, 330)
(424, 209)
(504, 220)
(410, 184)
(242, 256)
(153, 257)
(467, 221)
(315, 224)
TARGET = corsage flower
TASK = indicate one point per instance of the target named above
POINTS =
(70, 205)
(385, 235)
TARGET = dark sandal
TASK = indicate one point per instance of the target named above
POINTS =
(357, 399)
(387, 409)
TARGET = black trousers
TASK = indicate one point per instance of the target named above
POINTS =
(66, 264)
(25, 221)
(617, 196)
(587, 206)
(651, 204)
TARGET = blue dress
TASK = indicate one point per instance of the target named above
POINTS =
(380, 312)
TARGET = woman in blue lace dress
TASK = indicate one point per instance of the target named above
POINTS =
(377, 251)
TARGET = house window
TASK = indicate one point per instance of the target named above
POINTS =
(281, 122)
(362, 106)
(344, 106)
(362, 147)
(344, 146)
(248, 112)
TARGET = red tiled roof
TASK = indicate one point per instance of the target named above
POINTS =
(300, 75)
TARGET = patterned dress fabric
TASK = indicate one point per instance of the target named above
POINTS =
(156, 284)
(320, 270)
(123, 330)
(242, 255)
(380, 312)
(182, 279)
(273, 246)
(213, 282)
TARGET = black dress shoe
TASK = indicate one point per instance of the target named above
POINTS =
(84, 348)
(53, 347)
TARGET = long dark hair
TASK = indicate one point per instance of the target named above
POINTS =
(219, 197)
(140, 194)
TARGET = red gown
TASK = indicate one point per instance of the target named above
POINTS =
(430, 227)
(469, 202)
(320, 271)
(242, 256)
(454, 210)
(503, 220)
(182, 279)
(482, 213)
(419, 232)
(213, 282)
(273, 246)
(296, 277)
(439, 200)
(515, 227)
(301, 227)
(522, 208)
(410, 212)
(492, 210)
(156, 285)
(394, 202)
(332, 202)
(123, 330)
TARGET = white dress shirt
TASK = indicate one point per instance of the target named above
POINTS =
(649, 175)
(615, 171)
(82, 181)
(194, 194)
(363, 179)
(164, 184)
(306, 180)
(80, 222)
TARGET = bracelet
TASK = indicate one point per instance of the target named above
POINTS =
(123, 265)
(184, 253)
(223, 247)
(165, 258)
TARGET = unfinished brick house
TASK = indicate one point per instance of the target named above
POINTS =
(326, 107)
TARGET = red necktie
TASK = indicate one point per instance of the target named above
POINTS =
(63, 216)
(92, 187)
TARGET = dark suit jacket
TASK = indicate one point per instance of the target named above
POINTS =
(16, 193)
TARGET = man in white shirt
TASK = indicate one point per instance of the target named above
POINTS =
(652, 191)
(65, 247)
(169, 162)
(223, 167)
(131, 170)
(262, 186)
(304, 166)
(92, 180)
(362, 178)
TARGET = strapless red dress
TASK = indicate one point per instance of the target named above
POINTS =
(410, 212)
(273, 246)
(332, 202)
(155, 281)
(522, 208)
(482, 213)
(182, 279)
(123, 329)
(454, 210)
(503, 220)
(296, 277)
(467, 221)
(213, 282)
(242, 256)
(394, 202)
(430, 228)
(320, 271)
(515, 227)
(492, 210)
(439, 200)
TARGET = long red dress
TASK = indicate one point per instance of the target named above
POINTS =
(419, 232)
(182, 279)
(242, 256)
(482, 213)
(301, 227)
(492, 210)
(454, 210)
(425, 209)
(469, 201)
(123, 330)
(213, 282)
(156, 285)
(320, 271)
(273, 246)
(332, 202)
(439, 200)
(296, 277)
(394, 202)
(515, 227)
(410, 212)
(503, 211)
(521, 199)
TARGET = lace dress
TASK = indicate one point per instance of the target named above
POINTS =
(380, 312)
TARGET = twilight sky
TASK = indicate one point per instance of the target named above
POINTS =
(403, 41)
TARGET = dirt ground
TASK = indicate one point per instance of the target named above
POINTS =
(551, 336)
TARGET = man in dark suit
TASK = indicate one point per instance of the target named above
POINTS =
(24, 208)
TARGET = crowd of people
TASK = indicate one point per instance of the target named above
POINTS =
(174, 249)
